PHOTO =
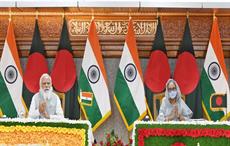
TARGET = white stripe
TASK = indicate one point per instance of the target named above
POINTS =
(15, 89)
(86, 98)
(136, 87)
(220, 85)
(100, 88)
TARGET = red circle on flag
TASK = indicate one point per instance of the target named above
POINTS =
(35, 67)
(64, 71)
(157, 72)
(219, 101)
(186, 73)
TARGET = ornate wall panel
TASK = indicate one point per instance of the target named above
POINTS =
(112, 27)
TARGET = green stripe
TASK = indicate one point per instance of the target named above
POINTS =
(86, 101)
(207, 91)
(125, 99)
(93, 112)
(6, 103)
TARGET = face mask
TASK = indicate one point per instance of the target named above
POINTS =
(172, 94)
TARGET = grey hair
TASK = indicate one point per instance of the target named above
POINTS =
(178, 97)
(45, 75)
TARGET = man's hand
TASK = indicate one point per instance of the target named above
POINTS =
(42, 110)
(46, 115)
(42, 107)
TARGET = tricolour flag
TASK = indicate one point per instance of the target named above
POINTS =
(187, 74)
(64, 76)
(129, 92)
(157, 72)
(86, 98)
(11, 101)
(35, 67)
(93, 79)
(215, 89)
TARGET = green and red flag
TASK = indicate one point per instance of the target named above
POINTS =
(187, 74)
(35, 67)
(64, 76)
(157, 72)
(214, 79)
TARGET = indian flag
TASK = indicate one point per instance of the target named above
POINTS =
(129, 92)
(11, 101)
(93, 81)
(86, 98)
(215, 89)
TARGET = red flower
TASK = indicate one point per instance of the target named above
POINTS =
(130, 141)
(108, 135)
(101, 143)
(108, 144)
(178, 144)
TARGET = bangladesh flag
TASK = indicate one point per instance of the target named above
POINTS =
(214, 79)
(64, 76)
(187, 74)
(157, 72)
(35, 67)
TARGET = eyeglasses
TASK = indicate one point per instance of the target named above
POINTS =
(172, 89)
(45, 83)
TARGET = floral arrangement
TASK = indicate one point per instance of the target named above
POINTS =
(112, 139)
(51, 132)
(194, 133)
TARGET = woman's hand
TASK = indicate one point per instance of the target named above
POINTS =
(181, 117)
(173, 114)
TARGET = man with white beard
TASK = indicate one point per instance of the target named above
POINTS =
(45, 104)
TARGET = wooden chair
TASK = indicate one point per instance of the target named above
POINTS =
(62, 98)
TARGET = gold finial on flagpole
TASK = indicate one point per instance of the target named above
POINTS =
(92, 17)
(187, 14)
(10, 14)
(63, 14)
(130, 17)
(36, 14)
(214, 14)
(157, 14)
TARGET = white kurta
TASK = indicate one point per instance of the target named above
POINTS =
(53, 107)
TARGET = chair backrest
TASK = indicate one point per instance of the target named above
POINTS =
(62, 98)
(157, 99)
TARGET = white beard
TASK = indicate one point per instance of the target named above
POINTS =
(46, 93)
